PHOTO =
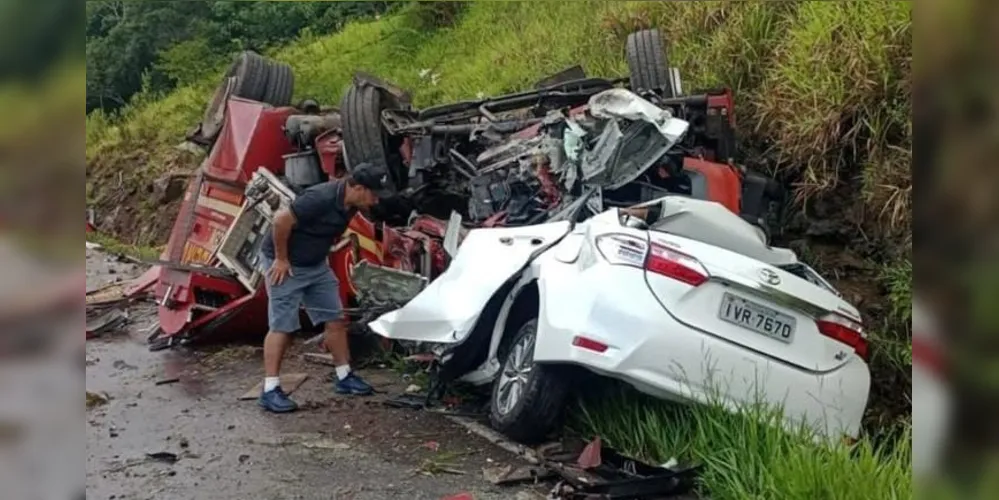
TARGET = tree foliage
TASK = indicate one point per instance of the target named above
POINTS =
(34, 35)
(167, 44)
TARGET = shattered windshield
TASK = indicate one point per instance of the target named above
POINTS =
(641, 146)
(637, 134)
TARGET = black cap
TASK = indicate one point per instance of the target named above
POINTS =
(374, 178)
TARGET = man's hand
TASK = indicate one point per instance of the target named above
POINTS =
(279, 271)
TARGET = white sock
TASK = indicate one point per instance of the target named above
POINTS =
(342, 371)
(271, 383)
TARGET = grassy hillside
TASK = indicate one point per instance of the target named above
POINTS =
(823, 102)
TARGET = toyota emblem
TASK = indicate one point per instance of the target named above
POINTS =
(769, 277)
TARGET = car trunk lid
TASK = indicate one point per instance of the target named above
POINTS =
(758, 306)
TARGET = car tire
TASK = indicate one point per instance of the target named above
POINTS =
(536, 408)
(364, 138)
(280, 84)
(249, 73)
(647, 63)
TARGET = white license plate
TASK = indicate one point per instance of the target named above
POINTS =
(758, 318)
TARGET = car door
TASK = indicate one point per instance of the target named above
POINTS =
(446, 311)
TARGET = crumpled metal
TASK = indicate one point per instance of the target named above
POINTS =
(623, 104)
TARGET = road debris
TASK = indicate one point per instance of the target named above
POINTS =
(96, 399)
(326, 444)
(460, 496)
(616, 477)
(590, 457)
(163, 456)
(440, 465)
(510, 474)
(101, 322)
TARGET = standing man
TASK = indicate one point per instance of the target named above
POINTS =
(295, 258)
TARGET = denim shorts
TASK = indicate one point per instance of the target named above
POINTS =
(314, 287)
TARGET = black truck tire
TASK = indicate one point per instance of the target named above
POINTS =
(647, 62)
(364, 138)
(539, 409)
(250, 71)
(280, 84)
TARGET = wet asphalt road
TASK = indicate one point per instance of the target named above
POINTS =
(335, 448)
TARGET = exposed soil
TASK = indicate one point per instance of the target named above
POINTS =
(335, 447)
(125, 195)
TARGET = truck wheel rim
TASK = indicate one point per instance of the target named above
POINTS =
(515, 374)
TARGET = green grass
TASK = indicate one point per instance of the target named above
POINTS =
(748, 456)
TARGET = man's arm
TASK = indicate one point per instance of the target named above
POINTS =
(283, 222)
(306, 207)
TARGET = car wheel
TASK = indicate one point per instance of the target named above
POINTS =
(528, 399)
(246, 78)
(280, 84)
(647, 63)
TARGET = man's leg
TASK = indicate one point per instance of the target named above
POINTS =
(335, 339)
(275, 345)
(282, 313)
(322, 302)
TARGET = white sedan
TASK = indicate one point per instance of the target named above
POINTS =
(693, 307)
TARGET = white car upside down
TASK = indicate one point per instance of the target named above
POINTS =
(694, 307)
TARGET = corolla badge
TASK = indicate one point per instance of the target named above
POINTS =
(769, 277)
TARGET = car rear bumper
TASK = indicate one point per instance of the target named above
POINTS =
(650, 350)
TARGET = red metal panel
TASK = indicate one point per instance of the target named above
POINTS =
(330, 148)
(724, 185)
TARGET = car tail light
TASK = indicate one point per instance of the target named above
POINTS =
(676, 265)
(632, 251)
(622, 249)
(846, 331)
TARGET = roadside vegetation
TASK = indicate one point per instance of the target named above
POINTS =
(747, 457)
(823, 102)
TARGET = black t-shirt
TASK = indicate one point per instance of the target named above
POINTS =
(321, 219)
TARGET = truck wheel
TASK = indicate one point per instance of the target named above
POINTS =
(528, 399)
(250, 70)
(280, 84)
(647, 63)
(364, 138)
(248, 77)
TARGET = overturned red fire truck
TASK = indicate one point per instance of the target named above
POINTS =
(509, 160)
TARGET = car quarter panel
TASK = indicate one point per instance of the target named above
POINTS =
(649, 349)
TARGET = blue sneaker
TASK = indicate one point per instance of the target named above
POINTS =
(276, 401)
(353, 385)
